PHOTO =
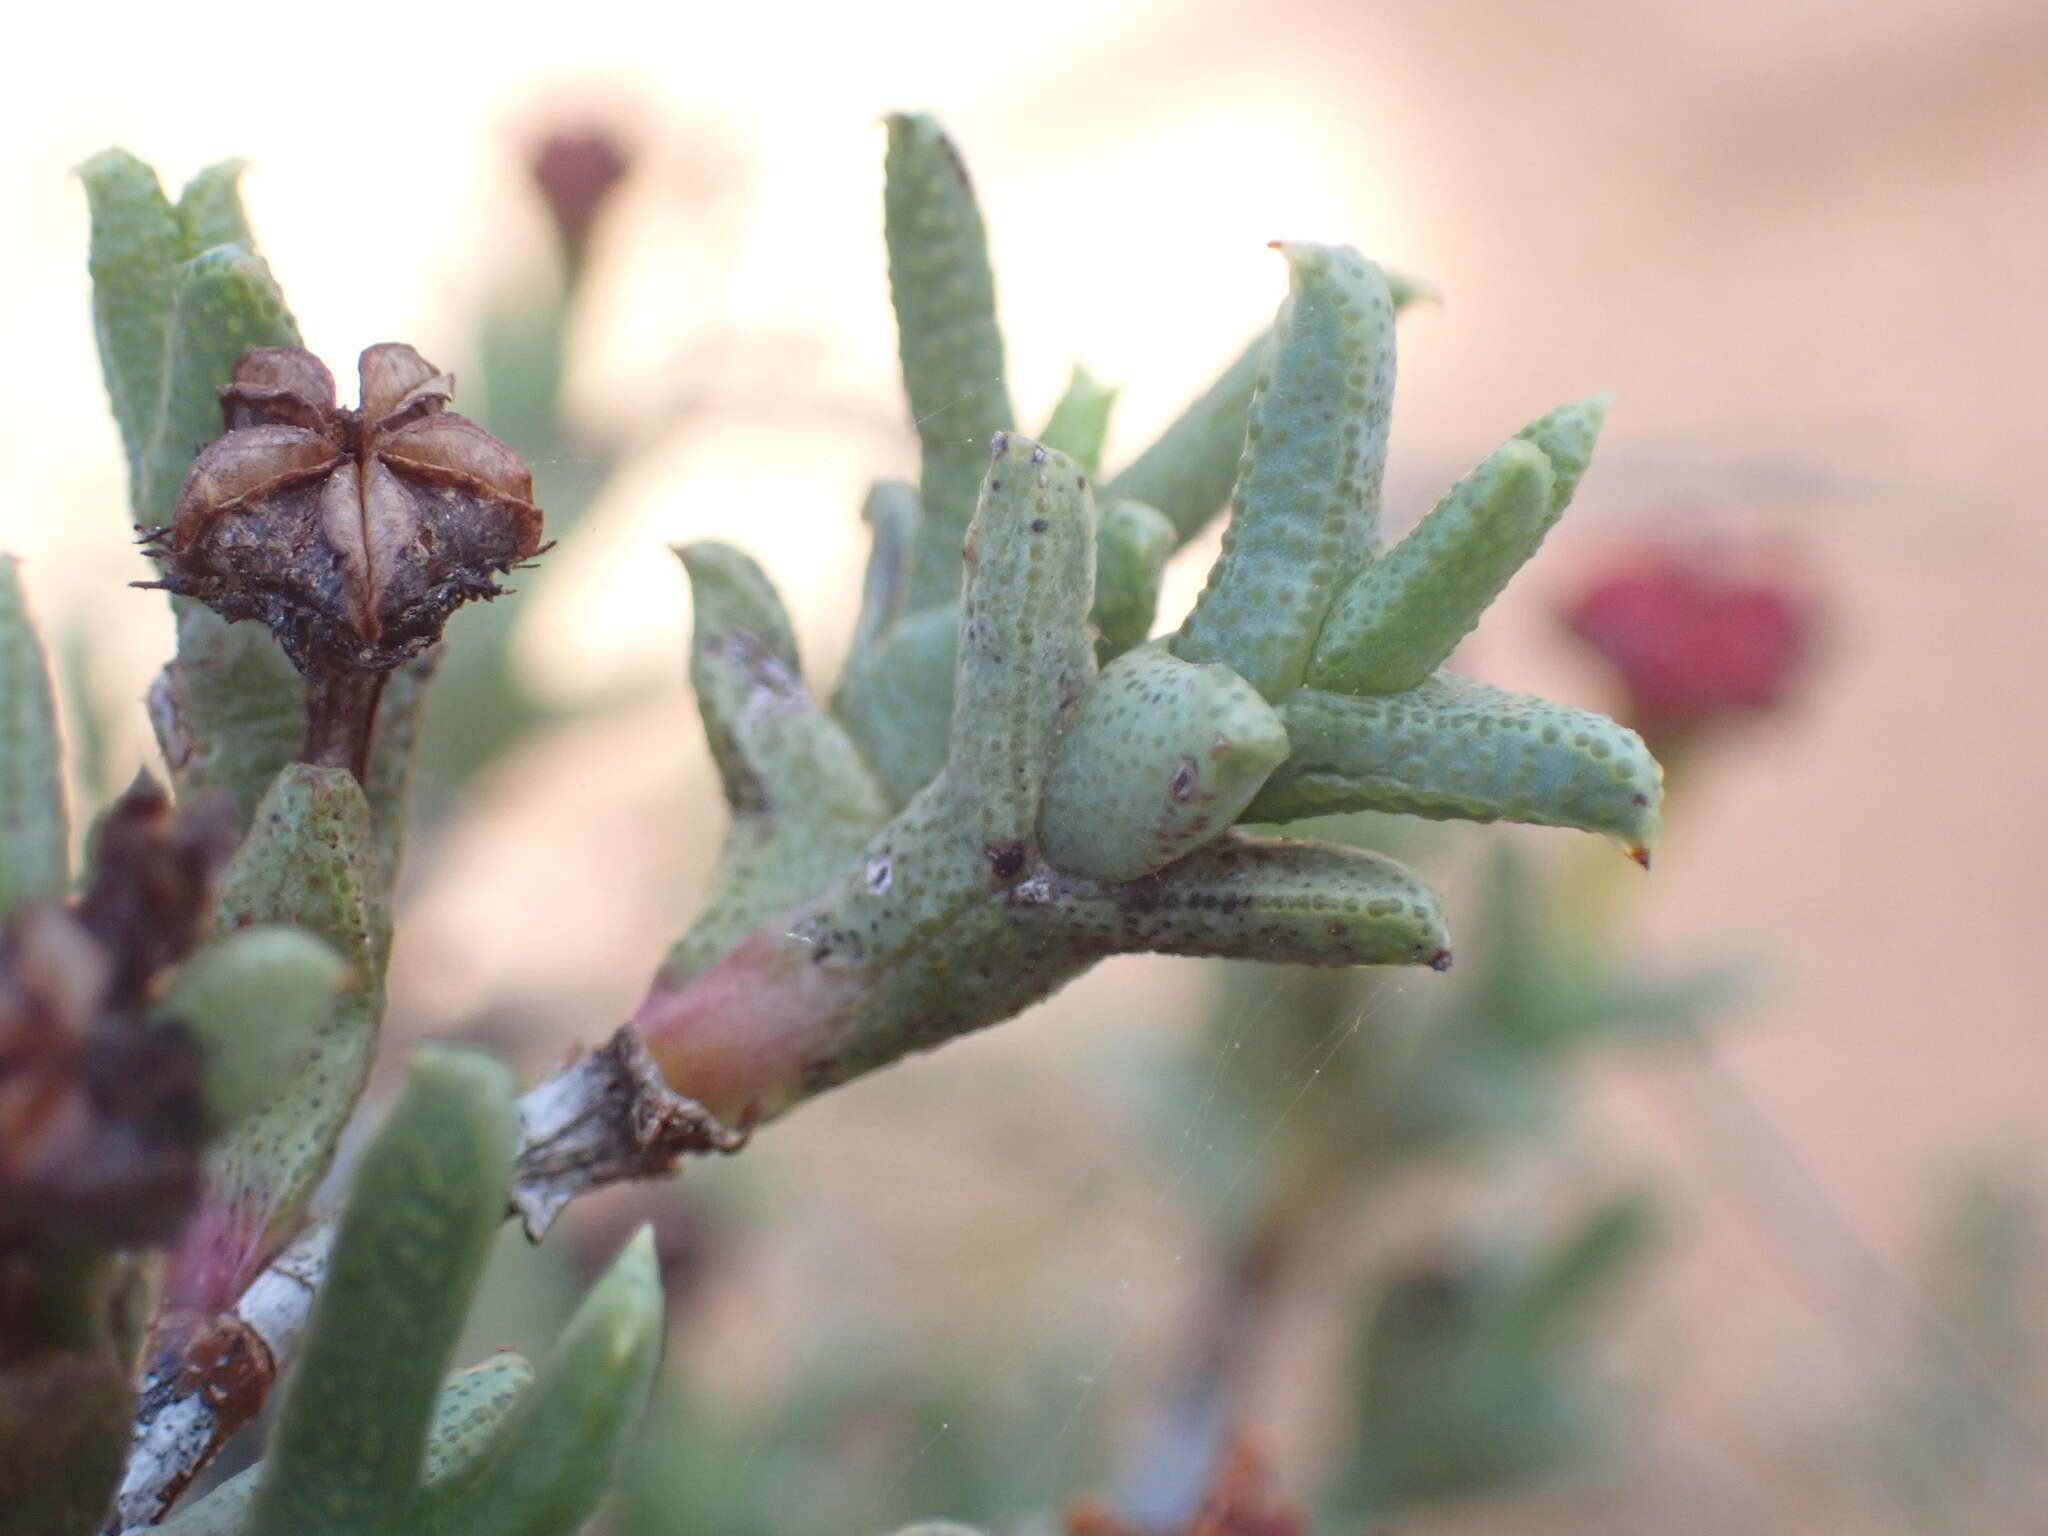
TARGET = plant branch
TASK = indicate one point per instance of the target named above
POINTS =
(604, 1118)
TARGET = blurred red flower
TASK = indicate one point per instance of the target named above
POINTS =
(576, 172)
(1698, 637)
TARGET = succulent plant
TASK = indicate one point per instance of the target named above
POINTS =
(1013, 779)
(1057, 787)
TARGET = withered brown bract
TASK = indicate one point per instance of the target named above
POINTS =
(352, 534)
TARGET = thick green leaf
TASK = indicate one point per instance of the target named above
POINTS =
(555, 1455)
(896, 700)
(223, 302)
(1188, 472)
(1401, 618)
(467, 1414)
(1239, 898)
(950, 345)
(35, 832)
(1025, 654)
(893, 512)
(347, 1458)
(1305, 513)
(1457, 749)
(137, 245)
(803, 800)
(307, 863)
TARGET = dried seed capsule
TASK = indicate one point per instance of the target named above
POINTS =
(1306, 509)
(352, 534)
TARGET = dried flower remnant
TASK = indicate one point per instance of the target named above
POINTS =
(352, 534)
(101, 1111)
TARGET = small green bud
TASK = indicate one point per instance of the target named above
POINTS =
(1079, 423)
(1161, 758)
(554, 1456)
(258, 1000)
(210, 209)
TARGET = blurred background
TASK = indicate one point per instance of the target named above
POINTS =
(1704, 1201)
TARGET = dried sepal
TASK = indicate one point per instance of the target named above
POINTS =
(101, 1108)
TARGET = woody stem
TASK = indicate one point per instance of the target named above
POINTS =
(341, 718)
